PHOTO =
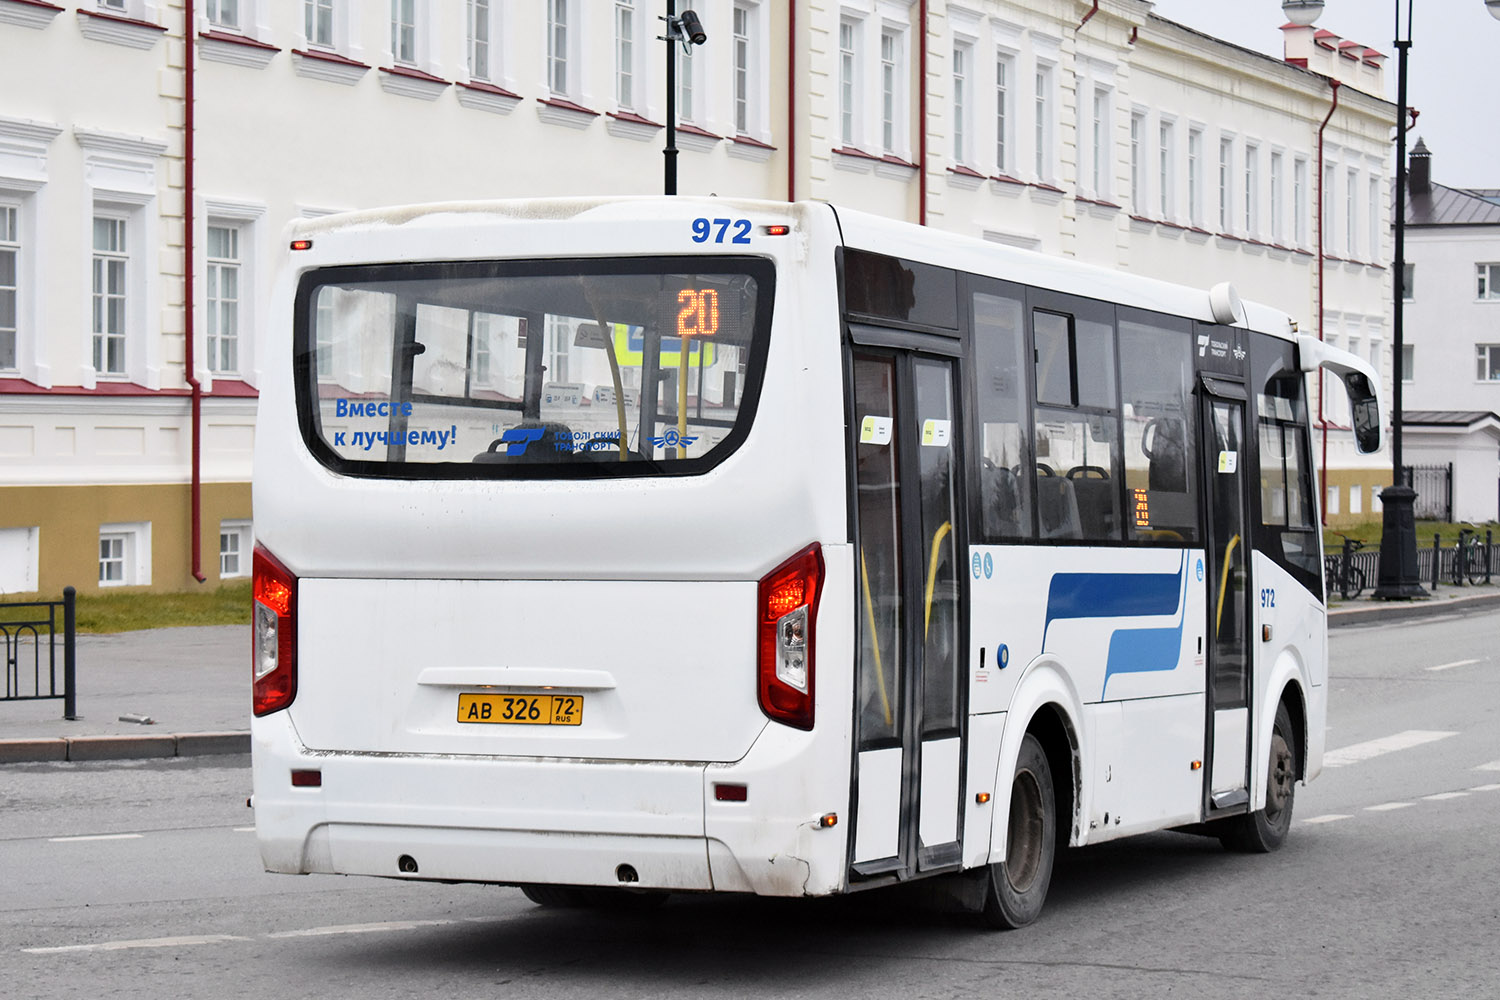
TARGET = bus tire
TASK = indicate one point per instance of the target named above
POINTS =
(564, 896)
(589, 897)
(1016, 888)
(1265, 829)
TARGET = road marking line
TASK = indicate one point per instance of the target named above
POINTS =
(1493, 765)
(97, 836)
(166, 942)
(1455, 663)
(1328, 818)
(243, 829)
(1386, 744)
(391, 925)
(1387, 807)
(1485, 788)
(1440, 796)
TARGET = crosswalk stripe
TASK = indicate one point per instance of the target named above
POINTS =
(1386, 744)
(1387, 807)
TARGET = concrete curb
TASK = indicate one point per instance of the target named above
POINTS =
(1389, 611)
(92, 748)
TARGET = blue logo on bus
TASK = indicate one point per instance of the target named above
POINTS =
(671, 439)
(989, 566)
(1002, 656)
(977, 564)
(1200, 570)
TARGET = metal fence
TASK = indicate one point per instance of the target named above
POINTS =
(1434, 486)
(1438, 566)
(31, 631)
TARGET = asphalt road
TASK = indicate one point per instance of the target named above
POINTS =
(142, 879)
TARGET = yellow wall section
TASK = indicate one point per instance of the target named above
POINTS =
(69, 518)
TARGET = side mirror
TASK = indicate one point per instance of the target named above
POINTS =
(1366, 409)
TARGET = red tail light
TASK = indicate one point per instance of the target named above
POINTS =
(788, 612)
(274, 637)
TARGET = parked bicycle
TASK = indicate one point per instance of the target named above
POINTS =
(1468, 559)
(1340, 575)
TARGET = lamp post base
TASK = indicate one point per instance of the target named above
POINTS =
(1399, 577)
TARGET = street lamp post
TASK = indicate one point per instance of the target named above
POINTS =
(688, 30)
(1398, 577)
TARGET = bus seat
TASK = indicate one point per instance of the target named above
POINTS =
(1096, 500)
(542, 449)
(1057, 507)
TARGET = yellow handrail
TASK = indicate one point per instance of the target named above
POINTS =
(864, 578)
(932, 564)
(1223, 583)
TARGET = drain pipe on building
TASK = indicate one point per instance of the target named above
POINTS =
(791, 102)
(922, 114)
(1322, 420)
(189, 277)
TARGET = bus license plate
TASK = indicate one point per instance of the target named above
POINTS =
(522, 709)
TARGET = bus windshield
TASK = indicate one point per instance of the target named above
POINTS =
(538, 369)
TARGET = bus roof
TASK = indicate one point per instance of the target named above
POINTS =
(860, 230)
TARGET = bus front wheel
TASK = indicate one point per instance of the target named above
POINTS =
(1016, 888)
(1265, 829)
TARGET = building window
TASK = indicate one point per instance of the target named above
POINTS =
(124, 555)
(1351, 213)
(404, 31)
(1004, 72)
(625, 53)
(1408, 281)
(1408, 363)
(1299, 202)
(1252, 189)
(1101, 142)
(1278, 198)
(558, 344)
(223, 279)
(110, 262)
(1328, 182)
(1043, 125)
(848, 66)
(1226, 160)
(1488, 358)
(892, 100)
(1195, 176)
(479, 39)
(235, 546)
(317, 22)
(557, 46)
(1137, 163)
(324, 320)
(748, 68)
(1489, 280)
(685, 62)
(1166, 176)
(1374, 218)
(961, 109)
(224, 14)
(10, 266)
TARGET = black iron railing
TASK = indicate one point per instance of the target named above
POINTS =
(31, 631)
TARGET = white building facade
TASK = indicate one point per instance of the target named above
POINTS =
(1091, 130)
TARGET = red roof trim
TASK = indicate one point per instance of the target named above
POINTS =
(633, 118)
(489, 88)
(964, 171)
(695, 130)
(42, 4)
(223, 388)
(1005, 179)
(332, 57)
(118, 19)
(745, 140)
(856, 153)
(233, 39)
(1320, 39)
(558, 102)
(413, 74)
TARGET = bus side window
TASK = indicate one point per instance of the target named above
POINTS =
(1006, 482)
(1156, 383)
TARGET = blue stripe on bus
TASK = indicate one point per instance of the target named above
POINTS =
(1139, 650)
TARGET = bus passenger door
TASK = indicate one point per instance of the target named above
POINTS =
(909, 703)
(1227, 578)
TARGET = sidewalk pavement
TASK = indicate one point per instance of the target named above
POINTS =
(194, 684)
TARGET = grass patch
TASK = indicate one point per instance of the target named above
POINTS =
(1369, 533)
(127, 612)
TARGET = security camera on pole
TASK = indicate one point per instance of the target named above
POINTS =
(688, 30)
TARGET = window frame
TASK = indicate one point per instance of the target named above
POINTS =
(1226, 183)
(1166, 166)
(480, 61)
(1487, 363)
(1487, 277)
(104, 261)
(13, 246)
(134, 554)
(1195, 175)
(242, 531)
(219, 306)
(312, 24)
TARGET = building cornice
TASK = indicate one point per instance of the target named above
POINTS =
(28, 129)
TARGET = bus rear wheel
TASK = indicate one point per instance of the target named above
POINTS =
(1265, 829)
(1016, 888)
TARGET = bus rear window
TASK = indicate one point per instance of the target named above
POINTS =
(541, 369)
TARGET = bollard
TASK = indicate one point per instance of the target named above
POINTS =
(1437, 559)
(70, 658)
(1489, 554)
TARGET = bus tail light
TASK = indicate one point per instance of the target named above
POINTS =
(788, 610)
(274, 636)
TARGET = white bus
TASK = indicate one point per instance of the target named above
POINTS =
(619, 547)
